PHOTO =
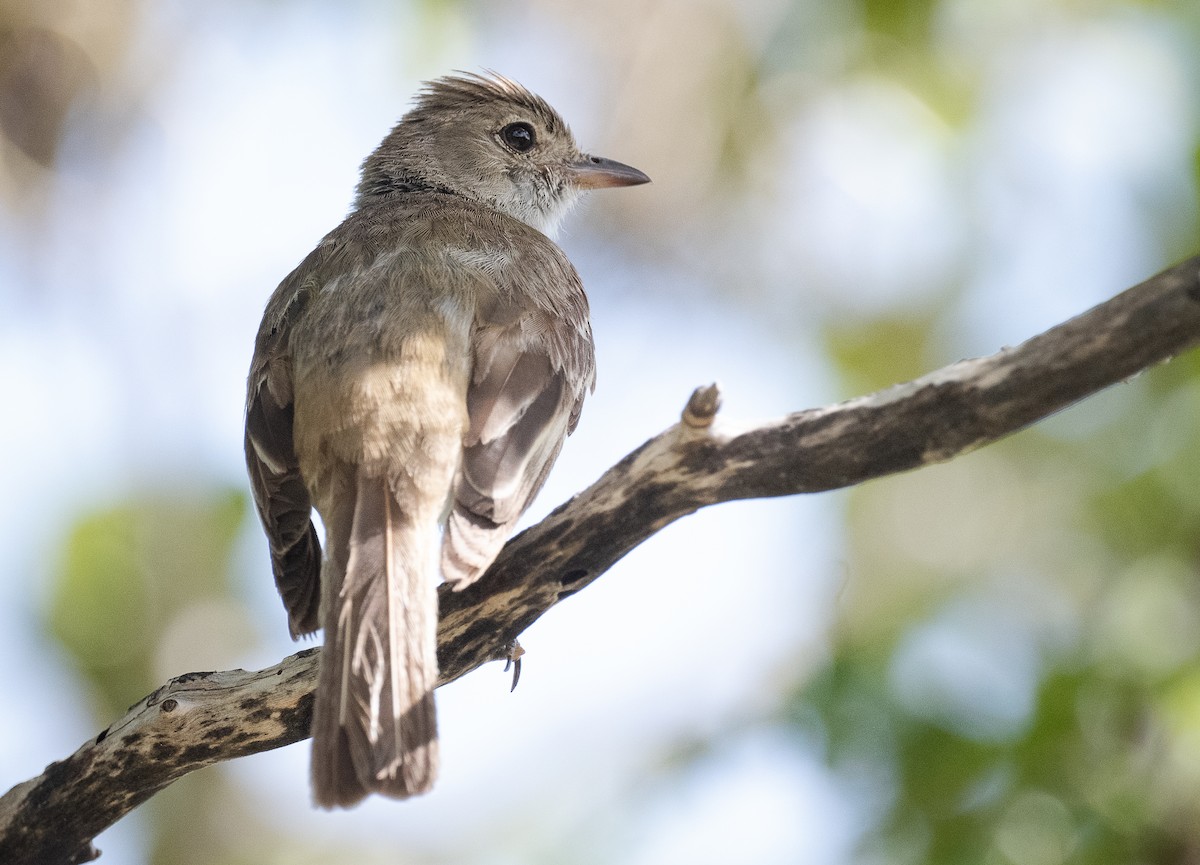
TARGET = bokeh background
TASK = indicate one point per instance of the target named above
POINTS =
(993, 661)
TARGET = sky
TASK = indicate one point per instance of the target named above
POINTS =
(125, 367)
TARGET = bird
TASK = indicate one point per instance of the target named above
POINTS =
(413, 380)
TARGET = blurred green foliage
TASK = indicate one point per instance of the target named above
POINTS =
(876, 353)
(128, 571)
(908, 21)
(1103, 766)
(144, 593)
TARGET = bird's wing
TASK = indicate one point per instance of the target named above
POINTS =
(279, 493)
(521, 406)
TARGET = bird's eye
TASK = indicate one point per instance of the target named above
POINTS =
(518, 137)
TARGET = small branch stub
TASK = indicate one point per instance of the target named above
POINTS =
(702, 407)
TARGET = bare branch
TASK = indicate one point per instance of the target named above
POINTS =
(204, 718)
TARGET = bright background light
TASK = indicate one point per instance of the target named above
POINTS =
(810, 179)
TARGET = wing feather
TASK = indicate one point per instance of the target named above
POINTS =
(520, 408)
(280, 495)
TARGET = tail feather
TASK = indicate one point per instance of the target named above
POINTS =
(374, 724)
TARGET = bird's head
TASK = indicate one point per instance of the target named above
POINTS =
(489, 139)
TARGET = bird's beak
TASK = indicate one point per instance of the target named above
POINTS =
(595, 172)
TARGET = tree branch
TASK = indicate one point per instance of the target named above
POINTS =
(203, 718)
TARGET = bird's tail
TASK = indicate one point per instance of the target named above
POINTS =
(374, 724)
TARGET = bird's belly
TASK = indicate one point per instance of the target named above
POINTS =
(401, 417)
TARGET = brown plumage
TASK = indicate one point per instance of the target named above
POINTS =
(421, 367)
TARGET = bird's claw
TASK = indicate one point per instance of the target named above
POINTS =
(513, 659)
